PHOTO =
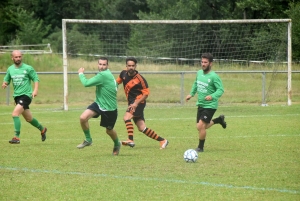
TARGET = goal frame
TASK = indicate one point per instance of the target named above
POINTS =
(289, 41)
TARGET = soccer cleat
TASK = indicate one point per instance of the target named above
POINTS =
(223, 122)
(43, 134)
(128, 143)
(116, 150)
(163, 144)
(84, 144)
(14, 140)
(199, 149)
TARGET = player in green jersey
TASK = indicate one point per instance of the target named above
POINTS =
(105, 104)
(21, 75)
(209, 88)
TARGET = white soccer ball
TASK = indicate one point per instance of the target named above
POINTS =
(190, 156)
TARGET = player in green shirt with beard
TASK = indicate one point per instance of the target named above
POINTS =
(21, 75)
(105, 104)
(209, 87)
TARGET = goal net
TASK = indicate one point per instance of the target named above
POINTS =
(253, 57)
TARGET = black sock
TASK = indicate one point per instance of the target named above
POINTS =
(217, 120)
(201, 144)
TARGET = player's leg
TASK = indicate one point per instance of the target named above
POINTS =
(18, 110)
(220, 120)
(34, 122)
(108, 120)
(90, 112)
(140, 123)
(129, 127)
(204, 116)
(201, 127)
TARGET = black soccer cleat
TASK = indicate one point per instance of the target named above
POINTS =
(199, 150)
(43, 134)
(14, 140)
(223, 122)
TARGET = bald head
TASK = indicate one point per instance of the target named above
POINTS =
(16, 56)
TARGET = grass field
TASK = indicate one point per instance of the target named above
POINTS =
(255, 158)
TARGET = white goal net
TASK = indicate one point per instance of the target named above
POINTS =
(259, 47)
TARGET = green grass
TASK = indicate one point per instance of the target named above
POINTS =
(255, 158)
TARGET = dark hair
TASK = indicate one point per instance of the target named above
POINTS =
(131, 59)
(208, 56)
(103, 58)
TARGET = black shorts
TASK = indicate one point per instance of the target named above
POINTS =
(23, 100)
(205, 114)
(139, 112)
(108, 118)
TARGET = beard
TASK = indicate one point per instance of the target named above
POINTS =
(206, 69)
(131, 72)
(17, 62)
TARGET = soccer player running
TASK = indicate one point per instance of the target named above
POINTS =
(209, 87)
(105, 104)
(136, 91)
(21, 75)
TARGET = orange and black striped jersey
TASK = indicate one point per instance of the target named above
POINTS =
(134, 86)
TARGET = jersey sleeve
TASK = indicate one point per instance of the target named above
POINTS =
(219, 88)
(194, 88)
(96, 80)
(33, 75)
(119, 79)
(7, 77)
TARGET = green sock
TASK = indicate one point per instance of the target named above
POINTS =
(87, 135)
(117, 142)
(17, 124)
(36, 124)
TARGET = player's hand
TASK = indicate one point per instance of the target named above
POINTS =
(81, 70)
(188, 97)
(34, 94)
(4, 85)
(132, 107)
(208, 98)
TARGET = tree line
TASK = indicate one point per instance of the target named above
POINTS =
(39, 21)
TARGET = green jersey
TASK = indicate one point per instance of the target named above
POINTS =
(21, 78)
(106, 89)
(207, 84)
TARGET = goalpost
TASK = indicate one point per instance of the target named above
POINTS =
(246, 45)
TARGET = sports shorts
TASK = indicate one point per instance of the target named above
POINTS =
(23, 100)
(205, 114)
(108, 118)
(138, 113)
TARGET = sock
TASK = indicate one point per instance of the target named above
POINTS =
(151, 133)
(217, 120)
(129, 127)
(17, 125)
(87, 135)
(201, 144)
(116, 142)
(36, 124)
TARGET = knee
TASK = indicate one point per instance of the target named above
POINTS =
(82, 118)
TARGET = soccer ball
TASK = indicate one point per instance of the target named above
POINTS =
(190, 156)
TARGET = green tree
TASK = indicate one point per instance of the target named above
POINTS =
(30, 30)
(294, 14)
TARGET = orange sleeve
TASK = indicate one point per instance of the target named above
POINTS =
(119, 80)
(145, 91)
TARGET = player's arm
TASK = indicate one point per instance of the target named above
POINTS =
(220, 89)
(119, 80)
(35, 90)
(34, 77)
(6, 80)
(192, 92)
(142, 98)
(96, 80)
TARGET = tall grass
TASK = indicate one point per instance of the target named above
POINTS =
(165, 88)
